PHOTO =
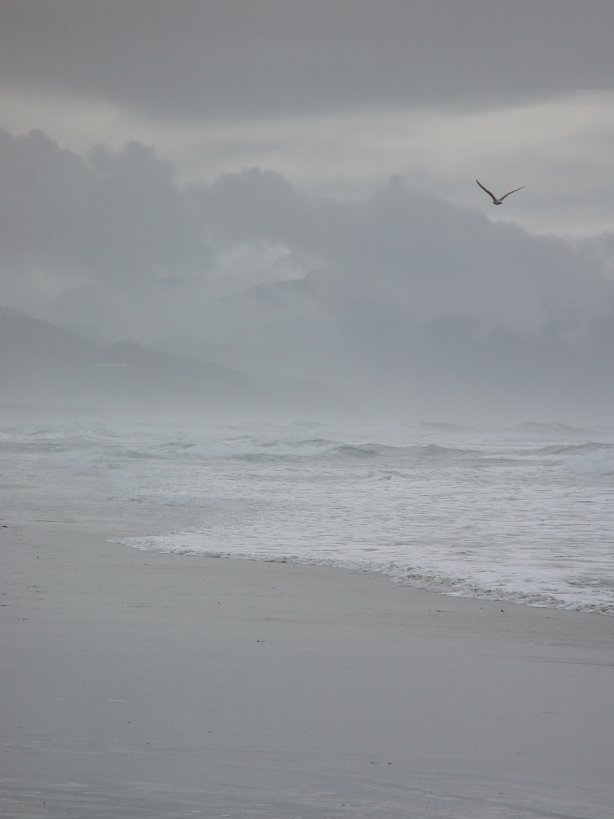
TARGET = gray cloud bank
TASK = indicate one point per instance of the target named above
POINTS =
(333, 95)
(398, 301)
(199, 59)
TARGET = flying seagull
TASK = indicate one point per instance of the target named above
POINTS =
(499, 200)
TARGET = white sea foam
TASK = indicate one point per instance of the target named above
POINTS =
(522, 513)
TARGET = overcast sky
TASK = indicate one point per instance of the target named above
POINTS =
(336, 95)
(157, 157)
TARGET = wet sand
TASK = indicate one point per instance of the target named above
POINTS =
(143, 685)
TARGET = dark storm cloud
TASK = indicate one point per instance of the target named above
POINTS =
(198, 59)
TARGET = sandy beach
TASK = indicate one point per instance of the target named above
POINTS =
(146, 685)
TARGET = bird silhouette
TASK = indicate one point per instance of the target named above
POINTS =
(498, 200)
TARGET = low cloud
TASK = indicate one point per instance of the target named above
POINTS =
(396, 289)
(116, 218)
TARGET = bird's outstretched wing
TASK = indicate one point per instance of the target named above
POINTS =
(492, 196)
(509, 192)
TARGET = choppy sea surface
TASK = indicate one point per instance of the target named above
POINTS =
(522, 513)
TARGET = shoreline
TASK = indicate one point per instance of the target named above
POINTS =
(156, 685)
(443, 587)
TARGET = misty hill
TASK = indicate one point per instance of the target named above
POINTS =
(45, 365)
(379, 358)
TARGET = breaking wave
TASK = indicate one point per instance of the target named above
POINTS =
(520, 513)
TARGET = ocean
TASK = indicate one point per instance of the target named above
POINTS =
(520, 513)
